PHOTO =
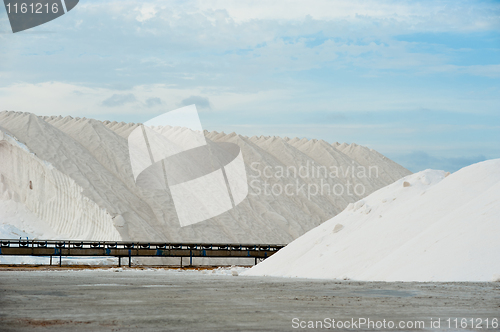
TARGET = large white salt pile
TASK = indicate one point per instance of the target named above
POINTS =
(75, 175)
(424, 227)
(16, 221)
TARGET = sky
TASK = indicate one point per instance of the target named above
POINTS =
(418, 81)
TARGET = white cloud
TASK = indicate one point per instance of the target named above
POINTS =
(422, 15)
(492, 71)
(57, 98)
(265, 67)
(146, 12)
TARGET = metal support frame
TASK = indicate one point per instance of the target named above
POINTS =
(78, 248)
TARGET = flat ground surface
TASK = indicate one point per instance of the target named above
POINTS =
(162, 300)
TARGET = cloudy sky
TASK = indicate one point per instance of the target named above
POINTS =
(419, 81)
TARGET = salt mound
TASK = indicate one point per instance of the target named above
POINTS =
(75, 175)
(425, 227)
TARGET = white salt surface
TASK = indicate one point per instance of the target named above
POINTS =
(425, 227)
(75, 175)
(17, 221)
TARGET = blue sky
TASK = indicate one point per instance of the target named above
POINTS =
(418, 81)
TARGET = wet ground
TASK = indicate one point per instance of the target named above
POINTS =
(162, 300)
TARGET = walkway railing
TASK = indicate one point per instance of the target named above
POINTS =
(76, 248)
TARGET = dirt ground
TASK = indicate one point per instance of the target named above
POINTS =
(76, 299)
